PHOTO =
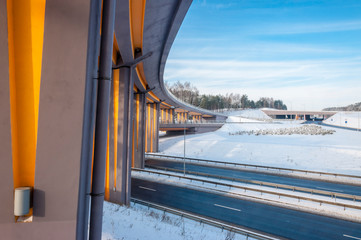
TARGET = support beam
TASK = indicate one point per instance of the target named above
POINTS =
(156, 127)
(152, 133)
(88, 120)
(139, 131)
(121, 165)
(101, 125)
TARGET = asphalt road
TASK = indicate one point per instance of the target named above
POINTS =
(298, 182)
(262, 217)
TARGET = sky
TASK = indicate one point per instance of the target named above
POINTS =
(306, 53)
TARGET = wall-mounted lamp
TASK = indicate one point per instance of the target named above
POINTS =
(22, 197)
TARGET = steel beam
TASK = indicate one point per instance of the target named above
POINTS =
(88, 120)
(101, 127)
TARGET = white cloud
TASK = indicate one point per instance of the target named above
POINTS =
(312, 27)
(316, 83)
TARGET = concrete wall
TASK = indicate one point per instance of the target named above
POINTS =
(6, 171)
(59, 125)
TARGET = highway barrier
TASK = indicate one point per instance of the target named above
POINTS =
(268, 184)
(261, 191)
(224, 226)
(252, 166)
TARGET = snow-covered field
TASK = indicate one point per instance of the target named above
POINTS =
(338, 152)
(345, 119)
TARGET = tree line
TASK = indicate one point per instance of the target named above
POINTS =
(351, 107)
(190, 94)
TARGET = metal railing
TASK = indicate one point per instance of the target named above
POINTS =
(268, 184)
(204, 220)
(257, 167)
(261, 191)
(193, 122)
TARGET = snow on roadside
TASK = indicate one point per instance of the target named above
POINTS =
(345, 119)
(339, 152)
(139, 222)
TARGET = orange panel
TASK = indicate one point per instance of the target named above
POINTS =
(25, 41)
(116, 119)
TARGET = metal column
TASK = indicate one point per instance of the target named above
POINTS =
(101, 127)
(88, 120)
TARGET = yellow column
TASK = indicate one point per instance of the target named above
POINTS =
(25, 40)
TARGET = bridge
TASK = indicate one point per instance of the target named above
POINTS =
(82, 94)
(82, 99)
(298, 115)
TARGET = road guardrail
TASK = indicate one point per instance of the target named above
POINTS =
(257, 167)
(204, 220)
(299, 198)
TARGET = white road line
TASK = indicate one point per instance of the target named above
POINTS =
(234, 209)
(329, 189)
(150, 189)
(351, 237)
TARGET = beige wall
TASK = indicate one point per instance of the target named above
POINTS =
(6, 172)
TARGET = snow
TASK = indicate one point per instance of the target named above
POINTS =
(345, 119)
(339, 152)
(253, 114)
(139, 222)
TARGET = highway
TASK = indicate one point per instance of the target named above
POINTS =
(265, 218)
(249, 175)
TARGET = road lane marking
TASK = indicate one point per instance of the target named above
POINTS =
(234, 209)
(329, 189)
(150, 189)
(351, 237)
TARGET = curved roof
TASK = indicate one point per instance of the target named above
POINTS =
(160, 23)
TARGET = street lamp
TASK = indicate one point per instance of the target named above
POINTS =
(184, 149)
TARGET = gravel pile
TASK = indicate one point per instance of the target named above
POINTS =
(303, 130)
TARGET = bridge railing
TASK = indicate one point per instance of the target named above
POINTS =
(192, 122)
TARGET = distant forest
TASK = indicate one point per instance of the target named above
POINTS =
(190, 94)
(351, 107)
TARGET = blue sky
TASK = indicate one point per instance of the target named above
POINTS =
(307, 53)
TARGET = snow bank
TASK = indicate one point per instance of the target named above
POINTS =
(254, 114)
(140, 222)
(302, 130)
(345, 119)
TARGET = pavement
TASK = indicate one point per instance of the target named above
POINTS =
(265, 218)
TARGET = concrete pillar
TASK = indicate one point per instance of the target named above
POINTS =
(120, 165)
(162, 114)
(6, 169)
(156, 137)
(171, 115)
(148, 127)
(139, 131)
(60, 120)
(166, 117)
(152, 132)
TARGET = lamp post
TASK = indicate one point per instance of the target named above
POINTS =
(184, 149)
